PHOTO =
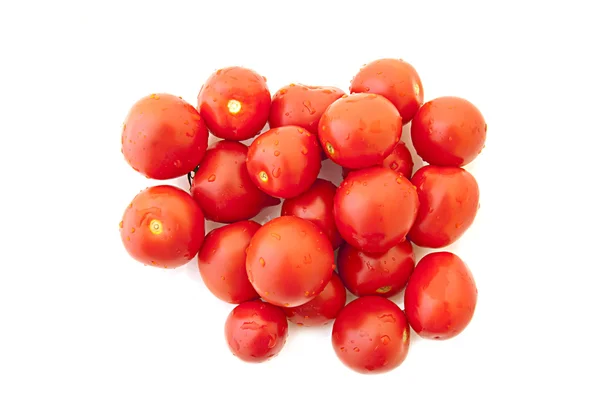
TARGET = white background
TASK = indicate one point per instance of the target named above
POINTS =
(79, 318)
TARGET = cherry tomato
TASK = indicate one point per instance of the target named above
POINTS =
(256, 331)
(222, 262)
(284, 161)
(448, 131)
(163, 137)
(163, 227)
(234, 102)
(374, 209)
(316, 205)
(300, 105)
(440, 297)
(323, 308)
(223, 187)
(396, 80)
(371, 335)
(290, 261)
(400, 160)
(360, 130)
(449, 198)
(383, 274)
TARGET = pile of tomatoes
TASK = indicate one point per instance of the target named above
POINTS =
(285, 270)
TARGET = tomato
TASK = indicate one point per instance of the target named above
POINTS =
(223, 187)
(163, 227)
(256, 331)
(222, 262)
(289, 261)
(448, 131)
(440, 297)
(323, 308)
(300, 105)
(371, 335)
(396, 80)
(374, 209)
(316, 205)
(284, 161)
(383, 274)
(234, 102)
(400, 160)
(449, 198)
(360, 130)
(163, 137)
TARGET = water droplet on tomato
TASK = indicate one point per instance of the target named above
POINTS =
(261, 261)
(276, 172)
(276, 236)
(385, 339)
(277, 153)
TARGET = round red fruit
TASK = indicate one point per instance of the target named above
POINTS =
(400, 161)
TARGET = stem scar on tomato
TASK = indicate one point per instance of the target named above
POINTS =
(234, 106)
(156, 227)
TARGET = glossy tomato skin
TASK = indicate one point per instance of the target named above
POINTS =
(163, 227)
(371, 335)
(289, 261)
(395, 79)
(400, 161)
(316, 205)
(360, 130)
(234, 102)
(222, 262)
(256, 331)
(440, 297)
(323, 308)
(223, 187)
(369, 274)
(449, 198)
(448, 131)
(284, 161)
(374, 209)
(163, 137)
(301, 105)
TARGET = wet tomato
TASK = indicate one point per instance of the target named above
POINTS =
(163, 137)
(289, 261)
(440, 297)
(371, 335)
(256, 331)
(400, 160)
(448, 131)
(300, 105)
(396, 80)
(223, 187)
(316, 205)
(284, 161)
(374, 209)
(449, 198)
(222, 262)
(383, 274)
(234, 102)
(360, 130)
(163, 227)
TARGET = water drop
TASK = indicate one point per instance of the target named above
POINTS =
(212, 177)
(261, 261)
(385, 339)
(393, 165)
(276, 236)
(276, 172)
(277, 153)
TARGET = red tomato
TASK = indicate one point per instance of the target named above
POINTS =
(316, 205)
(448, 131)
(284, 161)
(163, 137)
(374, 209)
(323, 308)
(223, 187)
(360, 130)
(384, 274)
(396, 80)
(400, 160)
(256, 331)
(290, 261)
(234, 102)
(449, 198)
(222, 262)
(440, 297)
(371, 335)
(300, 105)
(163, 227)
